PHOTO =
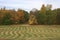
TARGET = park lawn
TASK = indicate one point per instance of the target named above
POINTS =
(30, 32)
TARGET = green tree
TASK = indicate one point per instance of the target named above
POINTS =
(58, 15)
(26, 16)
(42, 18)
(51, 15)
(6, 19)
(42, 15)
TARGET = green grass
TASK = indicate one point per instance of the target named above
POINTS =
(30, 32)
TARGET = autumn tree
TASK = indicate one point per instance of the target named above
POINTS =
(43, 9)
(32, 16)
(20, 14)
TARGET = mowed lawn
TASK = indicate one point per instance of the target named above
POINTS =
(30, 32)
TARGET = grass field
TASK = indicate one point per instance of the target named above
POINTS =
(30, 32)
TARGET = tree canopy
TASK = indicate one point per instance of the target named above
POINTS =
(45, 16)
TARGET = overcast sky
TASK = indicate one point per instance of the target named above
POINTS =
(28, 4)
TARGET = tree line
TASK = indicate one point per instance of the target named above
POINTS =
(44, 16)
